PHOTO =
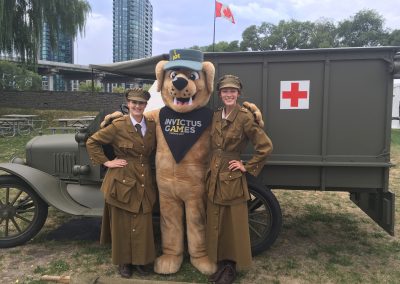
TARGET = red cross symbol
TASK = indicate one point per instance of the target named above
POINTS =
(294, 94)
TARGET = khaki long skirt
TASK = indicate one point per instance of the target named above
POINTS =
(130, 234)
(228, 236)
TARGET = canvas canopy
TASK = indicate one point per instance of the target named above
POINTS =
(138, 68)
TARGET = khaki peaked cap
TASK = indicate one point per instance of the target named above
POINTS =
(229, 81)
(137, 94)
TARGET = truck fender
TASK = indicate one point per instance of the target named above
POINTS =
(49, 188)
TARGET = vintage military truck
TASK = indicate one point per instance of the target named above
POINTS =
(328, 112)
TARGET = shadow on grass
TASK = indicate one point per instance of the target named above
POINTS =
(80, 229)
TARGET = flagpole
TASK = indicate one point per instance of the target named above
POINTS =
(215, 7)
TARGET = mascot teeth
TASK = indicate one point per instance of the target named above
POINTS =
(183, 101)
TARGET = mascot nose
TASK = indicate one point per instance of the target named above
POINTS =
(180, 83)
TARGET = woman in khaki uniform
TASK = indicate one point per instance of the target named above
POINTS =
(228, 238)
(128, 186)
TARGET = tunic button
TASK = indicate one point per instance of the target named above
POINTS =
(133, 230)
(123, 180)
(142, 175)
(142, 165)
(142, 185)
(215, 227)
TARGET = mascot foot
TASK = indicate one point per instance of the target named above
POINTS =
(168, 264)
(204, 265)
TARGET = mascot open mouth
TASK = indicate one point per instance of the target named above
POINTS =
(184, 101)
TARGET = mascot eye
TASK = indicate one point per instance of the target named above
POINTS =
(194, 75)
(172, 75)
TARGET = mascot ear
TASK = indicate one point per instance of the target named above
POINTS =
(160, 74)
(209, 69)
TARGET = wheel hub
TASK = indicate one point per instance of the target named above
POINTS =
(7, 211)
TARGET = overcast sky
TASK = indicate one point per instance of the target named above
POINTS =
(185, 23)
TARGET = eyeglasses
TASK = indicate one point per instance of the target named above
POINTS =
(139, 103)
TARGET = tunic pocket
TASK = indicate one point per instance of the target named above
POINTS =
(125, 147)
(122, 189)
(231, 185)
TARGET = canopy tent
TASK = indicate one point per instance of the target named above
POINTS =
(138, 68)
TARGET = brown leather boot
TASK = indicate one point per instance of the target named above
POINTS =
(215, 276)
(228, 273)
(125, 270)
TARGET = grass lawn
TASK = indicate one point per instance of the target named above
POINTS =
(325, 239)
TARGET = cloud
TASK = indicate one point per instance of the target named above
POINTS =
(96, 45)
(170, 34)
(257, 12)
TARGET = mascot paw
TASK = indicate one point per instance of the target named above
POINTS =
(109, 118)
(204, 265)
(256, 112)
(168, 264)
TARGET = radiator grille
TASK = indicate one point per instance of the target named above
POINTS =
(63, 163)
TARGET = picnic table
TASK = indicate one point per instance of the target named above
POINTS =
(31, 120)
(74, 122)
(9, 126)
(68, 124)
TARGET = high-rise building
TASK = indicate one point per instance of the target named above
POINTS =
(132, 29)
(63, 52)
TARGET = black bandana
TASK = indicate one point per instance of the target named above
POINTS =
(182, 130)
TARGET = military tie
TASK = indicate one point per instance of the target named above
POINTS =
(139, 129)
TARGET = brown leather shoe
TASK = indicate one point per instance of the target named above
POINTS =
(125, 270)
(142, 270)
(215, 276)
(228, 275)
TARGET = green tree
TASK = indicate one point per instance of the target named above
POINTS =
(251, 39)
(118, 89)
(21, 23)
(394, 38)
(289, 35)
(222, 46)
(364, 29)
(86, 86)
(323, 34)
(13, 77)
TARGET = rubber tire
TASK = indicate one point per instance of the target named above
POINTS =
(38, 220)
(271, 204)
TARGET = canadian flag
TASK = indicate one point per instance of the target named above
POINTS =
(222, 10)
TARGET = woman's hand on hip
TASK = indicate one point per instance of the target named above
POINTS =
(117, 163)
(236, 165)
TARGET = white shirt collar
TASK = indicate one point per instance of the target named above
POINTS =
(224, 116)
(142, 124)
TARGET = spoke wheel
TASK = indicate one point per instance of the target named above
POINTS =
(22, 212)
(265, 218)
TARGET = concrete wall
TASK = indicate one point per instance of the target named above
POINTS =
(61, 100)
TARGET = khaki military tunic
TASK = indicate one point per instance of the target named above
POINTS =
(227, 217)
(129, 192)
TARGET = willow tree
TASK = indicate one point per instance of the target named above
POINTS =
(21, 23)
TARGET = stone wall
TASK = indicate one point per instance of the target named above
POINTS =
(61, 100)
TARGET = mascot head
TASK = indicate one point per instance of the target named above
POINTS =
(185, 81)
